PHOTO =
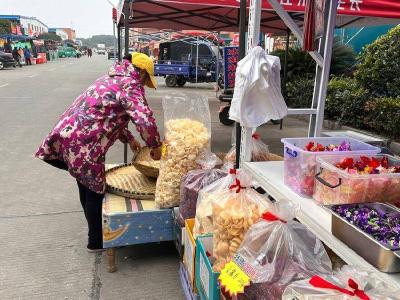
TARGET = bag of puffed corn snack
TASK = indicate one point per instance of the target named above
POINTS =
(236, 209)
(187, 127)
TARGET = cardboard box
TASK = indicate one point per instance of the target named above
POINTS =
(189, 252)
(207, 282)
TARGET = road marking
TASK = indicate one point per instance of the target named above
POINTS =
(34, 75)
(3, 85)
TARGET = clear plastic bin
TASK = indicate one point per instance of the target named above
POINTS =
(300, 164)
(337, 186)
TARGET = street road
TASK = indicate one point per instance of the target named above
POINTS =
(43, 231)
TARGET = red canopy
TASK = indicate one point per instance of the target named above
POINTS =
(222, 15)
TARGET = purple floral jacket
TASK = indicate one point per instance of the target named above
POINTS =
(96, 119)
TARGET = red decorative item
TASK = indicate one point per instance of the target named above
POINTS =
(236, 186)
(309, 26)
(271, 217)
(319, 282)
(256, 136)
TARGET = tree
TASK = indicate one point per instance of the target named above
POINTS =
(92, 42)
(300, 63)
(50, 36)
(379, 66)
(5, 26)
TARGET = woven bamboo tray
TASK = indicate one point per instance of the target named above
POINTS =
(126, 181)
(145, 164)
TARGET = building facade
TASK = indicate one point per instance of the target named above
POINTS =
(60, 32)
(30, 26)
(71, 33)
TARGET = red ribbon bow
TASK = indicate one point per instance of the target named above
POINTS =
(232, 171)
(271, 217)
(255, 136)
(319, 282)
(236, 186)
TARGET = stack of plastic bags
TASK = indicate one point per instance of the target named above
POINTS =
(195, 180)
(347, 284)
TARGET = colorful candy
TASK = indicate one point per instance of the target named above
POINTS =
(385, 228)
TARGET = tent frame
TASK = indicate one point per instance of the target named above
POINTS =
(323, 63)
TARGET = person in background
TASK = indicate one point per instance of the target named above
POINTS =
(16, 56)
(90, 126)
(28, 56)
(21, 55)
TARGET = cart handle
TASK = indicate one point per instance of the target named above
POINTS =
(324, 182)
(290, 152)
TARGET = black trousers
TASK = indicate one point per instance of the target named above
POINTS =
(28, 61)
(92, 207)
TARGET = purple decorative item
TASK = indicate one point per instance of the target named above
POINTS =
(382, 227)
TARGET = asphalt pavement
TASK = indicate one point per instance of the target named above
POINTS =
(43, 232)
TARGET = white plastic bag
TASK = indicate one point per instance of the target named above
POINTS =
(257, 97)
(367, 282)
(280, 251)
(195, 180)
(187, 134)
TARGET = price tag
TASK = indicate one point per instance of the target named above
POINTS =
(233, 279)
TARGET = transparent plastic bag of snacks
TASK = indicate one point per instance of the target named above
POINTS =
(280, 251)
(259, 152)
(203, 223)
(195, 180)
(367, 282)
(235, 210)
(187, 134)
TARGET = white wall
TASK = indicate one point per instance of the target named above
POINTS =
(61, 33)
(36, 26)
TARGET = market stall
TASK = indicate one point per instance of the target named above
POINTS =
(243, 244)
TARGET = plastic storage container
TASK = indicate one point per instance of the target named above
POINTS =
(337, 186)
(300, 164)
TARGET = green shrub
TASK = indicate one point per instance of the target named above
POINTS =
(346, 101)
(383, 116)
(299, 92)
(380, 65)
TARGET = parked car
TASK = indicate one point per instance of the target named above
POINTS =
(67, 52)
(110, 53)
(6, 60)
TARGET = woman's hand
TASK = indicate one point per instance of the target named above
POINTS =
(134, 145)
(156, 153)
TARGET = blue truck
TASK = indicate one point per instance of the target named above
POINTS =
(177, 62)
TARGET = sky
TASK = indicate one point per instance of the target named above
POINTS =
(87, 17)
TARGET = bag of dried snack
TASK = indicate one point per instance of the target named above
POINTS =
(195, 180)
(203, 223)
(277, 251)
(259, 152)
(187, 134)
(234, 211)
(348, 283)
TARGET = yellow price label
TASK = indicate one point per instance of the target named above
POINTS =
(233, 279)
(163, 150)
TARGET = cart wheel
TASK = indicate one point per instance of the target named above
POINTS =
(276, 122)
(224, 116)
(171, 81)
(181, 81)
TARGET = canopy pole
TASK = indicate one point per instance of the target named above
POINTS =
(197, 59)
(115, 42)
(126, 27)
(217, 68)
(119, 42)
(330, 32)
(242, 53)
